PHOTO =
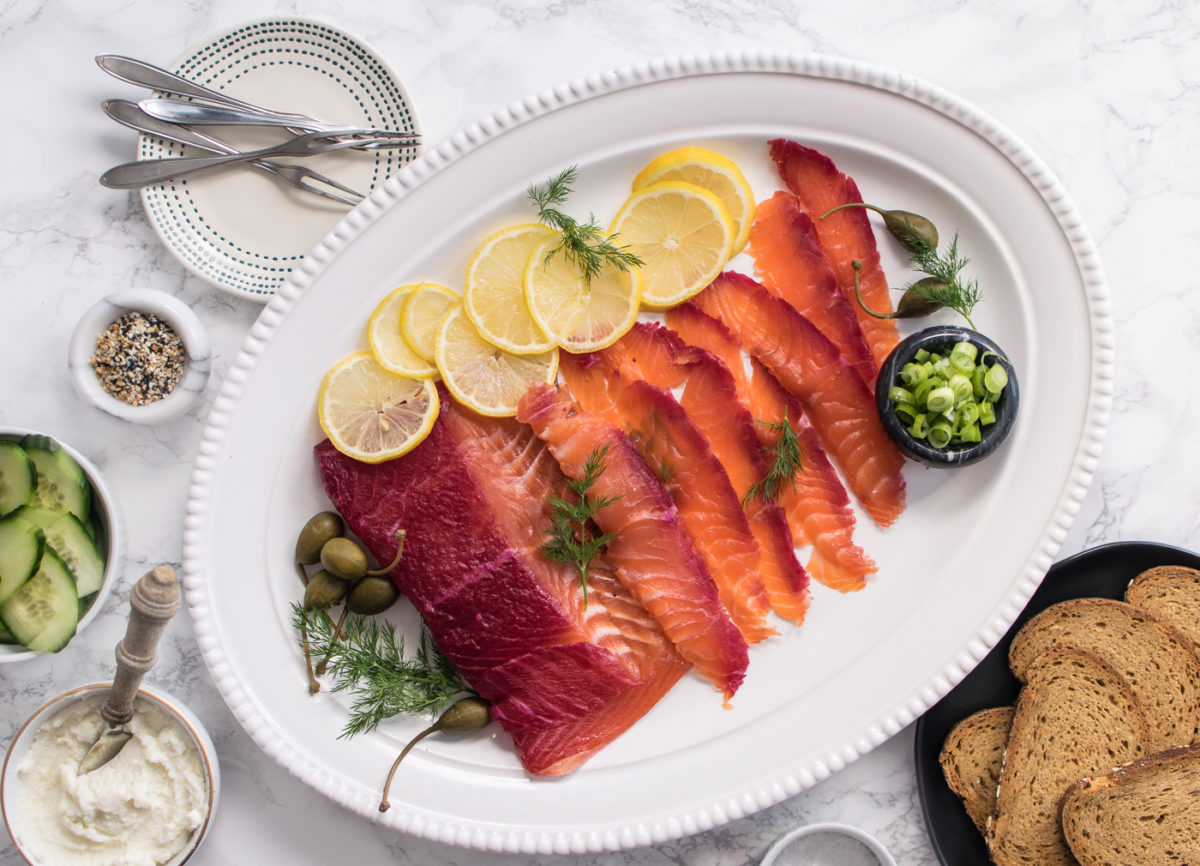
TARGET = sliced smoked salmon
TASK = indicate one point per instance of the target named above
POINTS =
(679, 453)
(838, 403)
(564, 679)
(650, 551)
(817, 507)
(790, 262)
(709, 397)
(846, 236)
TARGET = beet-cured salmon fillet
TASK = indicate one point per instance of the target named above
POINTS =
(650, 551)
(817, 506)
(680, 455)
(845, 235)
(839, 404)
(564, 679)
(790, 262)
(709, 397)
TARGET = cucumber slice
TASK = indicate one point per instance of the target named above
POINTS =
(6, 636)
(21, 546)
(67, 537)
(42, 616)
(17, 477)
(62, 484)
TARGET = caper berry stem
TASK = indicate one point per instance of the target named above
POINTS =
(338, 634)
(313, 685)
(914, 232)
(461, 717)
(857, 265)
(400, 533)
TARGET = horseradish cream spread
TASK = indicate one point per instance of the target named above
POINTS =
(139, 809)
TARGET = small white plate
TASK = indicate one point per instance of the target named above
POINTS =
(240, 229)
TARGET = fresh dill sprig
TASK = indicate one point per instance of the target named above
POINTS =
(585, 244)
(947, 288)
(370, 663)
(786, 456)
(570, 538)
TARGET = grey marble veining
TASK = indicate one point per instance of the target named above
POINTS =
(1105, 92)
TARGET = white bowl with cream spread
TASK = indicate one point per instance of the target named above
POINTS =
(151, 805)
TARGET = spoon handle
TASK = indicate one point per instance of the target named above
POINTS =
(154, 600)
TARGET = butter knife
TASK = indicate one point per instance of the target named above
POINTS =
(154, 600)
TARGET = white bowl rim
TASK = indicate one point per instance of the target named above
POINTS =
(166, 702)
(182, 319)
(113, 522)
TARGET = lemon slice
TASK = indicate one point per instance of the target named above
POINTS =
(580, 316)
(494, 300)
(390, 348)
(711, 171)
(683, 235)
(370, 413)
(485, 377)
(422, 315)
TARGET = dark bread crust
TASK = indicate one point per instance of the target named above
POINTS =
(971, 758)
(1155, 658)
(1144, 812)
(1075, 718)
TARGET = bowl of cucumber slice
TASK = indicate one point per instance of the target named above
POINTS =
(61, 543)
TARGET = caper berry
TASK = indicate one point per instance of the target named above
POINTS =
(319, 529)
(324, 591)
(343, 558)
(371, 595)
(914, 232)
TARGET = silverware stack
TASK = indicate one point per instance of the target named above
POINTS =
(175, 119)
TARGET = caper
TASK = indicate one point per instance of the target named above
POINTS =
(319, 529)
(464, 716)
(914, 232)
(916, 302)
(343, 558)
(324, 591)
(371, 595)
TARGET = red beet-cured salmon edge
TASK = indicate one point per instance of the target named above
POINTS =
(790, 261)
(598, 386)
(846, 235)
(718, 650)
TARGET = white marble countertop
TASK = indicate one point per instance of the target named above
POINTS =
(1104, 92)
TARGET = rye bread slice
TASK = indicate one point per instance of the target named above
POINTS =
(1145, 812)
(1154, 657)
(1075, 718)
(1171, 593)
(971, 758)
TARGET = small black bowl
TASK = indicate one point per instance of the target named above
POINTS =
(941, 338)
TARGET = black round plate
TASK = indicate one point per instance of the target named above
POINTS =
(1102, 571)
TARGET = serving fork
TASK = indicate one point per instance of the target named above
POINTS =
(152, 171)
(301, 177)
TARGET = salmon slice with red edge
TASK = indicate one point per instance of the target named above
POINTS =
(678, 452)
(709, 396)
(808, 365)
(650, 551)
(789, 261)
(846, 236)
(564, 678)
(817, 505)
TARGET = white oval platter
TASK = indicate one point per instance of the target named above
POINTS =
(955, 569)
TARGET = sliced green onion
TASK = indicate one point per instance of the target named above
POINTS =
(898, 394)
(987, 413)
(961, 386)
(995, 379)
(968, 413)
(920, 426)
(912, 374)
(907, 412)
(940, 433)
(965, 348)
(969, 433)
(921, 355)
(940, 399)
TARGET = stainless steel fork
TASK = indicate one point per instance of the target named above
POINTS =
(301, 177)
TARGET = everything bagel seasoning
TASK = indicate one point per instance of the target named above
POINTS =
(139, 359)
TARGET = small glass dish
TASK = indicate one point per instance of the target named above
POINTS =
(11, 783)
(843, 843)
(106, 524)
(942, 338)
(172, 311)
